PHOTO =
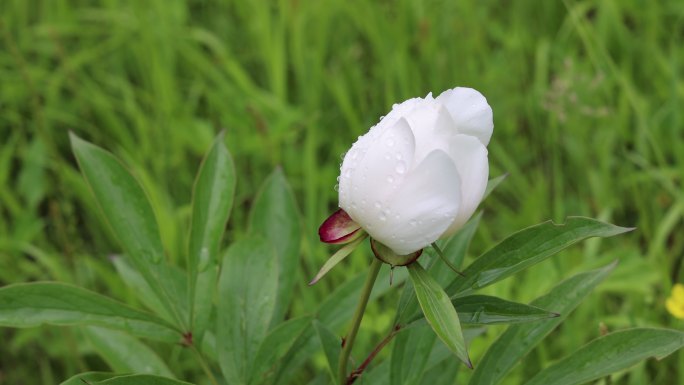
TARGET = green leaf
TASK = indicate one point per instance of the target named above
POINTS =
(336, 258)
(212, 201)
(609, 354)
(439, 312)
(34, 304)
(275, 217)
(88, 378)
(412, 346)
(485, 310)
(125, 354)
(454, 250)
(331, 345)
(410, 353)
(137, 283)
(528, 247)
(130, 215)
(246, 303)
(140, 379)
(275, 345)
(518, 340)
(493, 183)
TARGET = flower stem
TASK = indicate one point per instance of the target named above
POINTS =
(356, 321)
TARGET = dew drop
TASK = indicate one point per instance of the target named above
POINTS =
(413, 222)
(390, 142)
(377, 204)
(390, 179)
(337, 187)
(388, 156)
(400, 167)
(363, 202)
(347, 173)
(382, 216)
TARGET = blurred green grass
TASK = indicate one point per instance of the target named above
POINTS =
(587, 99)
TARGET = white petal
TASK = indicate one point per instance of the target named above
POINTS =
(398, 111)
(423, 208)
(433, 128)
(470, 111)
(373, 177)
(470, 157)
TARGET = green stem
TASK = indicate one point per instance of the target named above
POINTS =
(356, 321)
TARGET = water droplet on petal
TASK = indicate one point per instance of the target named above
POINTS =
(400, 168)
(337, 187)
(390, 142)
(390, 179)
(347, 173)
(382, 216)
(413, 222)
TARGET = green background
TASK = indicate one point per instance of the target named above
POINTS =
(587, 99)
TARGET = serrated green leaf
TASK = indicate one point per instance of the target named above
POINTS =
(34, 304)
(246, 303)
(140, 379)
(275, 217)
(439, 312)
(125, 354)
(274, 347)
(212, 201)
(609, 354)
(131, 218)
(528, 247)
(331, 347)
(518, 340)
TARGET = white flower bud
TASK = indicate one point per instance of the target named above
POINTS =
(420, 173)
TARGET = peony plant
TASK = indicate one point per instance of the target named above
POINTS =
(416, 178)
(412, 185)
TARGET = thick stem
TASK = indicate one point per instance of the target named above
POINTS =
(356, 321)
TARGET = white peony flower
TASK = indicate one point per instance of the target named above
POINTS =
(419, 174)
